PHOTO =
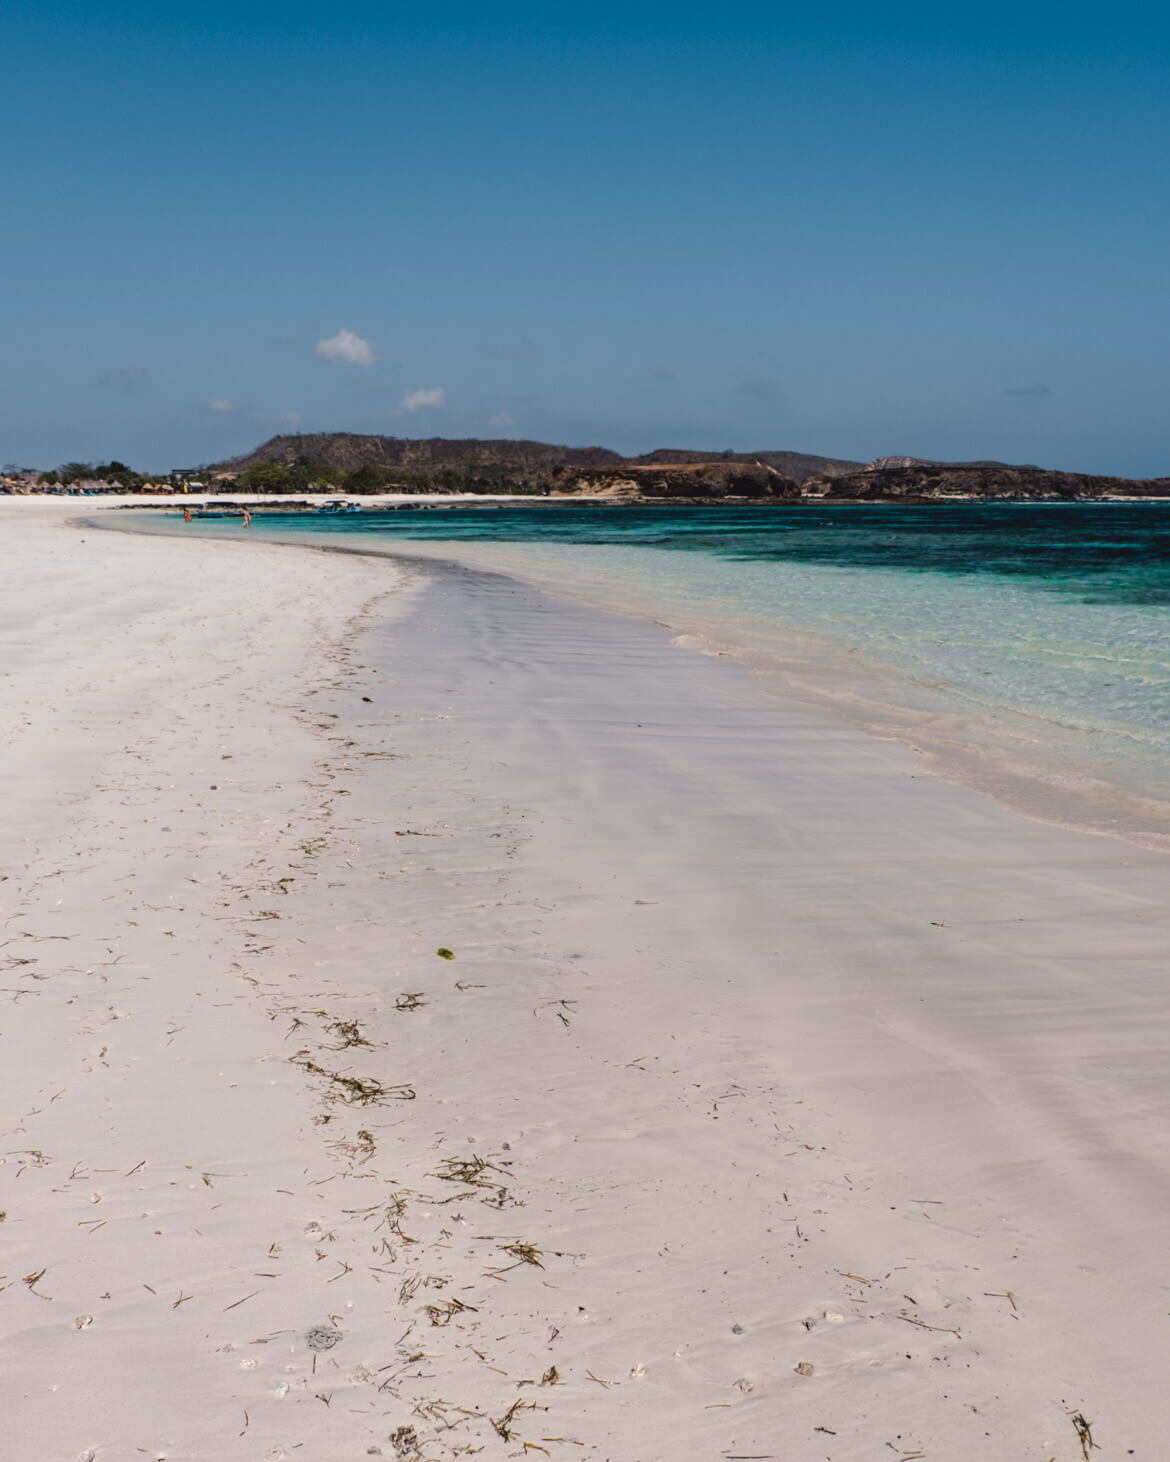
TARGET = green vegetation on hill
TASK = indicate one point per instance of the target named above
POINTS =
(423, 462)
(307, 475)
(368, 464)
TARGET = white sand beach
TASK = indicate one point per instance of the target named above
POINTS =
(438, 1019)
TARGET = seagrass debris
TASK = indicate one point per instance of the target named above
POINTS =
(471, 1173)
(348, 1033)
(362, 1091)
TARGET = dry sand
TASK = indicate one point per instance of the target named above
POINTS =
(779, 1101)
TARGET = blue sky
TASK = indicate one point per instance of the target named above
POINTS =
(858, 230)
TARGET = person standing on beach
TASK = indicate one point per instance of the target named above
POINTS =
(247, 516)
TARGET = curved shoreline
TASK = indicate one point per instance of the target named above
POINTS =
(995, 754)
(774, 1092)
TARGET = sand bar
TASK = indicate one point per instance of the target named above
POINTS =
(780, 1100)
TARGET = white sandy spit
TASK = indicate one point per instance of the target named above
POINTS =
(778, 1101)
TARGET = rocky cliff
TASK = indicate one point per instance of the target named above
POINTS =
(797, 465)
(705, 480)
(939, 481)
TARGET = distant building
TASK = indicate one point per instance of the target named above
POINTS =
(187, 479)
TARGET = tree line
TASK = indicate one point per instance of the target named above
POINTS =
(70, 472)
(306, 475)
(300, 476)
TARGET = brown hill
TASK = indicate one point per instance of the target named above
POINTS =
(937, 481)
(906, 482)
(521, 462)
(524, 466)
(509, 461)
(680, 480)
(797, 465)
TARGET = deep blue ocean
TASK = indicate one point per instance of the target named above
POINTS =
(1114, 553)
(1047, 624)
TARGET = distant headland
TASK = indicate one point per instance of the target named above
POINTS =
(367, 465)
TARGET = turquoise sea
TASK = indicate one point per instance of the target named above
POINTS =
(1027, 643)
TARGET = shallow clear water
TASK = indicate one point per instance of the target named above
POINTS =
(1048, 622)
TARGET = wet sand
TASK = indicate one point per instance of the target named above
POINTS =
(780, 1100)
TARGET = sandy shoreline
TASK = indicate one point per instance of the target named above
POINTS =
(1041, 768)
(775, 1053)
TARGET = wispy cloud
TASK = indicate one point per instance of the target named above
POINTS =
(220, 404)
(289, 419)
(500, 420)
(431, 396)
(1034, 393)
(347, 346)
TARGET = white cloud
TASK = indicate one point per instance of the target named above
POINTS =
(218, 403)
(345, 345)
(413, 400)
(501, 419)
(290, 418)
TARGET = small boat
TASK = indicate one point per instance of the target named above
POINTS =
(339, 505)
